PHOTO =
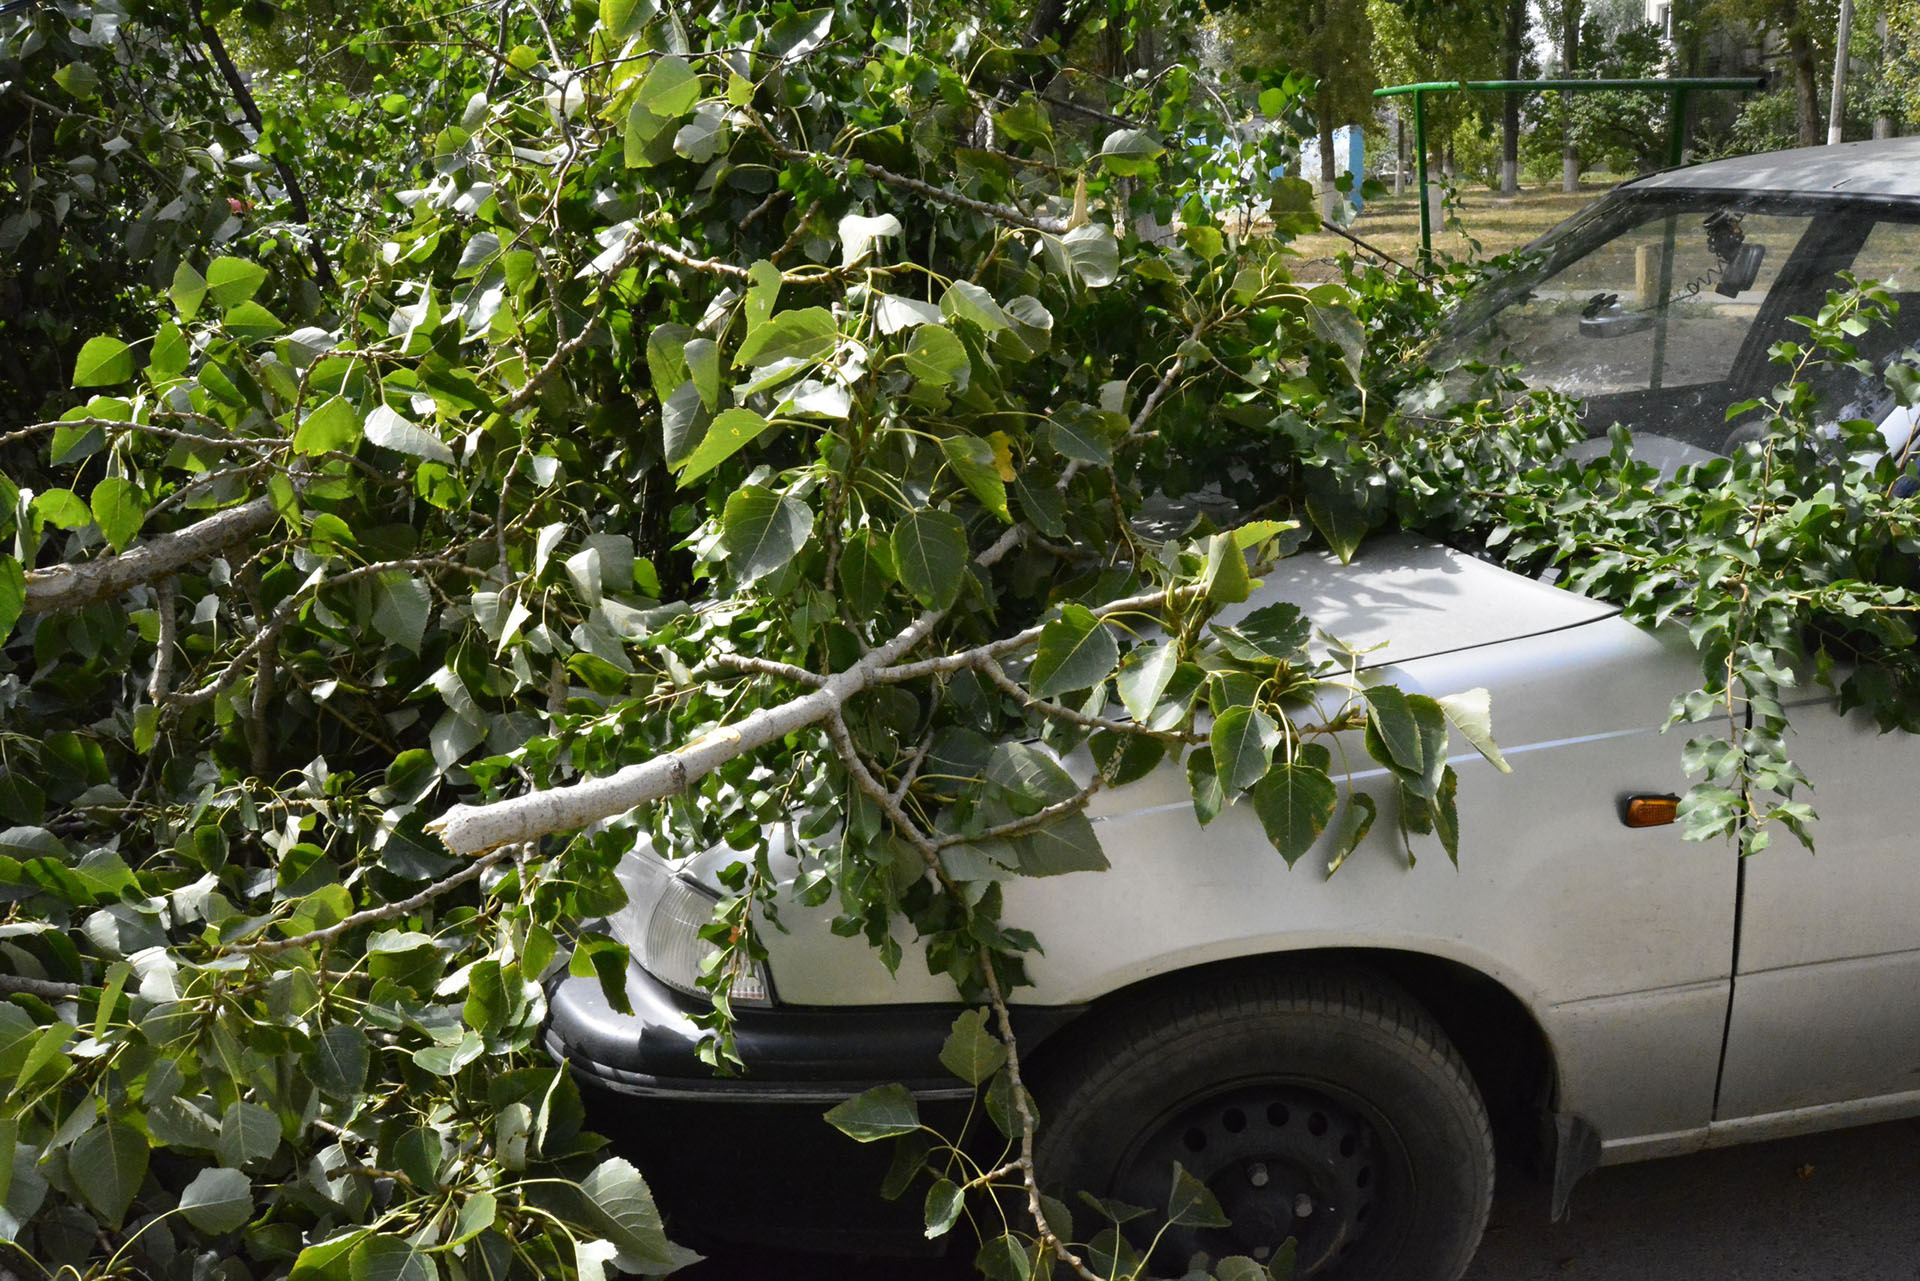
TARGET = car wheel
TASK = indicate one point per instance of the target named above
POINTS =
(1323, 1106)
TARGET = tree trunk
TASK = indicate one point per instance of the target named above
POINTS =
(1882, 123)
(1516, 39)
(1399, 153)
(1569, 60)
(1329, 197)
(1806, 85)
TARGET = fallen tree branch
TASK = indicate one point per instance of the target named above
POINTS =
(61, 587)
(466, 829)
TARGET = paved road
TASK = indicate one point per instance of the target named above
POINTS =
(1833, 1207)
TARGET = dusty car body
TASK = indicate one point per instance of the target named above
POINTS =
(1621, 992)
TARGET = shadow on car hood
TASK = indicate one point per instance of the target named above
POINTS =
(1411, 598)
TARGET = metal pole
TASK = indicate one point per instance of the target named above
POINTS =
(1420, 163)
(1677, 146)
(1837, 107)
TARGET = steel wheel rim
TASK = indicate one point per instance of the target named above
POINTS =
(1284, 1157)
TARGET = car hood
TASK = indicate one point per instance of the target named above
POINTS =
(1403, 598)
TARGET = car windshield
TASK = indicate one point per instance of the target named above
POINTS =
(1658, 308)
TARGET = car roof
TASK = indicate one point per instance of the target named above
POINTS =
(1890, 167)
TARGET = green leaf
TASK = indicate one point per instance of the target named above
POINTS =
(1209, 798)
(1273, 633)
(973, 462)
(944, 1203)
(1094, 253)
(1338, 521)
(965, 300)
(250, 322)
(102, 362)
(623, 18)
(880, 1113)
(119, 509)
(1408, 734)
(248, 1132)
(326, 1261)
(1191, 1203)
(1144, 676)
(1076, 651)
(477, 1214)
(1130, 152)
(1006, 1258)
(1353, 829)
(936, 357)
(387, 429)
(78, 79)
(171, 353)
(107, 1164)
(1295, 802)
(338, 1061)
(971, 1052)
(391, 1258)
(1471, 712)
(670, 88)
(1243, 739)
(726, 436)
(1067, 844)
(218, 1200)
(232, 281)
(805, 333)
(187, 291)
(485, 1010)
(762, 294)
(13, 594)
(762, 530)
(930, 555)
(401, 605)
(1026, 120)
(334, 425)
(1028, 776)
(1225, 576)
(620, 1197)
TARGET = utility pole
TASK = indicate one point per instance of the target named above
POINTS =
(1837, 108)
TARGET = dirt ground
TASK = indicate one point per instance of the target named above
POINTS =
(1498, 223)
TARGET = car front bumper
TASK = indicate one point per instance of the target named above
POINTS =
(748, 1158)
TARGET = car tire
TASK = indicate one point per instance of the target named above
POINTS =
(1322, 1105)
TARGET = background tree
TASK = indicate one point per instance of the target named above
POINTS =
(1330, 40)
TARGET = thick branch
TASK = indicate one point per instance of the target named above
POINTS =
(70, 586)
(467, 829)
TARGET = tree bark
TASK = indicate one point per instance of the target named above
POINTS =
(1798, 41)
(69, 586)
(1329, 197)
(1882, 123)
(1569, 61)
(1515, 37)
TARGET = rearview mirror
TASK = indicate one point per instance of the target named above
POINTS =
(1742, 270)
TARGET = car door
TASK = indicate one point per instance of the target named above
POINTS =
(1824, 1010)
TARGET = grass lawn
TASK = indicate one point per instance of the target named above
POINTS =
(1498, 222)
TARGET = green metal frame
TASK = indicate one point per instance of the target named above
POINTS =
(1679, 87)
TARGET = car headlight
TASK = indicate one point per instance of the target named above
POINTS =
(661, 927)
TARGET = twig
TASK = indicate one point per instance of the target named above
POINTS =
(45, 989)
(385, 912)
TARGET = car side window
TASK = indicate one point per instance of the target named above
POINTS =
(1666, 303)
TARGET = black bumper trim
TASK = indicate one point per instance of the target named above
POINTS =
(793, 1054)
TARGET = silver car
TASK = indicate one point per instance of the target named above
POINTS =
(1334, 1054)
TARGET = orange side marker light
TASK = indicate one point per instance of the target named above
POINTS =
(1650, 811)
